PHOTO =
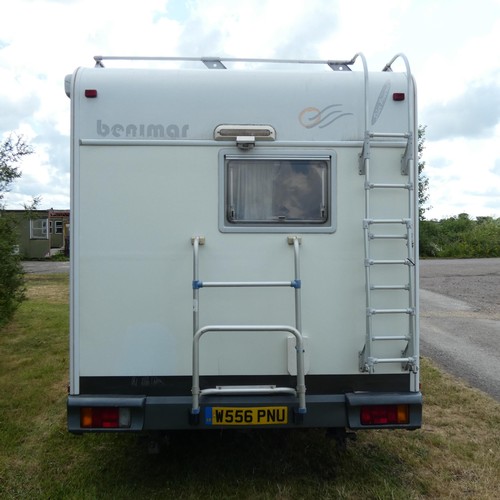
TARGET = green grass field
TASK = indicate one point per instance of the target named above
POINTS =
(455, 455)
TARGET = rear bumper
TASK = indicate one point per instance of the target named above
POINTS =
(163, 413)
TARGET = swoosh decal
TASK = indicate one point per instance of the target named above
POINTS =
(382, 98)
(311, 117)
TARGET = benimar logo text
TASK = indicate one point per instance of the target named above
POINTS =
(142, 131)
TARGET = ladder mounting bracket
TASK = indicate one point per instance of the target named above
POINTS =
(291, 239)
(407, 156)
(365, 154)
(201, 240)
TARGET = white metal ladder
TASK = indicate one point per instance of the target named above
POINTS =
(373, 227)
(198, 332)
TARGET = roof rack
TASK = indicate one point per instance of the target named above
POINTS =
(217, 62)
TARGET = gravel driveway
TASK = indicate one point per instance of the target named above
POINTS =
(475, 281)
(460, 319)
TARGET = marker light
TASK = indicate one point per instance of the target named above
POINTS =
(398, 96)
(385, 415)
(91, 93)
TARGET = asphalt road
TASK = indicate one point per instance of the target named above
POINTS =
(460, 319)
(45, 267)
(459, 316)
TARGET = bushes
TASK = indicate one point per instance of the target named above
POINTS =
(12, 150)
(460, 237)
(11, 272)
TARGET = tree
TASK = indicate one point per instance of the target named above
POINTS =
(423, 184)
(12, 151)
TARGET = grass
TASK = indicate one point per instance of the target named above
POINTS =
(455, 455)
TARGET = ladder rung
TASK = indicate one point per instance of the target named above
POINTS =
(392, 360)
(228, 284)
(372, 262)
(391, 337)
(390, 287)
(387, 236)
(397, 135)
(240, 390)
(375, 185)
(386, 221)
(408, 310)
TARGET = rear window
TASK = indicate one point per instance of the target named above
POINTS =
(277, 191)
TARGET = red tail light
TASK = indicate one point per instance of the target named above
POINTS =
(385, 415)
(104, 418)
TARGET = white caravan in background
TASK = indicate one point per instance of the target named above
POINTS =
(244, 246)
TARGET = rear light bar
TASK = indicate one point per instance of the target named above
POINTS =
(105, 418)
(385, 414)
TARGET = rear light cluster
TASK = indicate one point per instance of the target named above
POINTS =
(385, 415)
(105, 418)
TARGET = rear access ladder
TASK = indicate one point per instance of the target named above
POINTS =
(373, 228)
(198, 332)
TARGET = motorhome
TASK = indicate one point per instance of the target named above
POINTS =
(257, 255)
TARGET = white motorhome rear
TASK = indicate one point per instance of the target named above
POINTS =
(244, 247)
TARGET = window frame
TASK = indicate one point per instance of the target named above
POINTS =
(286, 154)
(39, 233)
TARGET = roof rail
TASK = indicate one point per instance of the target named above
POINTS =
(217, 62)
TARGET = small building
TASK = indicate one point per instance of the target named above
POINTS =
(41, 233)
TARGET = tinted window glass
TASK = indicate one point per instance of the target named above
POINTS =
(277, 191)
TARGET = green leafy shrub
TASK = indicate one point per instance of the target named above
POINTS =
(460, 237)
(11, 271)
(12, 150)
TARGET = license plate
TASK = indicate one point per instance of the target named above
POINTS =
(262, 415)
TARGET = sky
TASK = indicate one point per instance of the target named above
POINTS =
(452, 47)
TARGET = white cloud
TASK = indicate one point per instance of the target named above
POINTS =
(473, 114)
(450, 44)
(463, 177)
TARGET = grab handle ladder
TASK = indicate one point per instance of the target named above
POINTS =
(198, 331)
(300, 391)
